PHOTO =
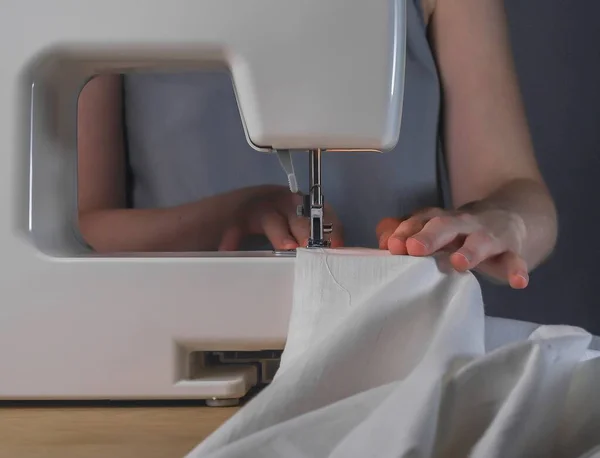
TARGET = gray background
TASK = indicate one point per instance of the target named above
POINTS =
(556, 44)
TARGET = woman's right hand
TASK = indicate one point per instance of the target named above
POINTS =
(273, 214)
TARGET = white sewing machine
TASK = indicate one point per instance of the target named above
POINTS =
(78, 326)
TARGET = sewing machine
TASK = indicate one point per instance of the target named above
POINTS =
(74, 325)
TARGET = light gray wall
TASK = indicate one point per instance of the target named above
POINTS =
(557, 51)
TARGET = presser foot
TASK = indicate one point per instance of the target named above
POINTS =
(319, 244)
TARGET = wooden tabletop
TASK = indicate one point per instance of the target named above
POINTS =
(107, 432)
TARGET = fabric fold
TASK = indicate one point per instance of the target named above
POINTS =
(386, 357)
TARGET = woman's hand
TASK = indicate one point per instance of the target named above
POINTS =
(477, 236)
(273, 215)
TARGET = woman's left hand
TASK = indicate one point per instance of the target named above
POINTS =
(477, 236)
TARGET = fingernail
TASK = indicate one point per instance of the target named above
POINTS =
(420, 242)
(289, 243)
(460, 253)
(524, 279)
(467, 261)
(522, 273)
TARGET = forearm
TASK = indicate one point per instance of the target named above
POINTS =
(530, 201)
(196, 226)
(176, 229)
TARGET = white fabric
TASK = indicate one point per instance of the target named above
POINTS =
(502, 331)
(386, 358)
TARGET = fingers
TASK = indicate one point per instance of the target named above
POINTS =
(300, 228)
(385, 229)
(516, 270)
(275, 217)
(287, 231)
(397, 241)
(439, 232)
(478, 247)
(276, 229)
(489, 254)
(508, 268)
(471, 244)
(425, 233)
(232, 238)
(492, 256)
(519, 278)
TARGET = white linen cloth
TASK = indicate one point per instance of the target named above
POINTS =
(386, 358)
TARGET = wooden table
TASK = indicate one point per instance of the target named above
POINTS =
(107, 432)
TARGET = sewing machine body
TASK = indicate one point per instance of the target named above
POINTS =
(310, 74)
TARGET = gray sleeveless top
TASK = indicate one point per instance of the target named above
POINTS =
(185, 142)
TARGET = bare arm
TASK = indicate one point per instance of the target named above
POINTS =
(489, 150)
(104, 221)
(504, 221)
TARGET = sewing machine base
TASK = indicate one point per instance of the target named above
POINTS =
(255, 369)
(222, 402)
(220, 378)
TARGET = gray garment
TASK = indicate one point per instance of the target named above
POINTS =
(186, 142)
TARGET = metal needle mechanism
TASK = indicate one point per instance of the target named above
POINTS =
(314, 204)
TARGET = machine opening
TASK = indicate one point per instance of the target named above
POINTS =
(266, 363)
(164, 166)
